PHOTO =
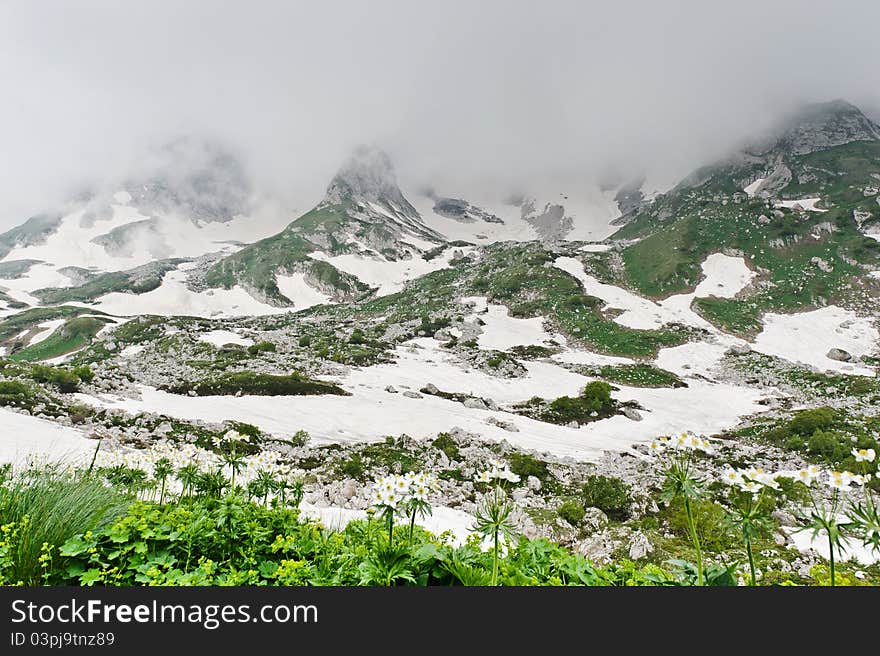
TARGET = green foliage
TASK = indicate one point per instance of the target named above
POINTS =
(258, 384)
(593, 403)
(73, 335)
(640, 375)
(261, 347)
(15, 393)
(609, 494)
(571, 511)
(525, 465)
(64, 379)
(710, 521)
(231, 541)
(42, 509)
(447, 444)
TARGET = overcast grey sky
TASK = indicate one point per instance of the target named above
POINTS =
(469, 93)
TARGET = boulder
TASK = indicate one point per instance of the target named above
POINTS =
(632, 413)
(838, 354)
(594, 519)
(412, 395)
(640, 546)
(474, 403)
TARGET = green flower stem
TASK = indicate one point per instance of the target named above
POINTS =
(495, 561)
(412, 523)
(751, 560)
(696, 540)
(831, 554)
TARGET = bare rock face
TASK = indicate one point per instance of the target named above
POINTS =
(640, 546)
(825, 125)
(838, 354)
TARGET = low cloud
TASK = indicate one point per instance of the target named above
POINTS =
(463, 95)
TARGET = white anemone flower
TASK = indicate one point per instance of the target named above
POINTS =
(840, 480)
(864, 455)
(419, 492)
(732, 477)
(806, 476)
(484, 477)
(509, 476)
(390, 500)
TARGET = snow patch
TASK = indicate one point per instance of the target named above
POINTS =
(173, 298)
(24, 436)
(388, 275)
(300, 293)
(752, 188)
(222, 337)
(371, 412)
(807, 204)
(806, 337)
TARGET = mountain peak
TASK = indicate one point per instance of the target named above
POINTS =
(197, 178)
(368, 175)
(818, 126)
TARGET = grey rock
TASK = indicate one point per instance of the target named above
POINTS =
(631, 413)
(390, 389)
(430, 388)
(474, 403)
(640, 546)
(838, 354)
(594, 520)
(533, 483)
(412, 395)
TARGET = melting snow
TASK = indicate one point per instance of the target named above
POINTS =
(807, 337)
(221, 337)
(173, 298)
(372, 412)
(388, 275)
(23, 436)
(300, 293)
(753, 187)
(808, 204)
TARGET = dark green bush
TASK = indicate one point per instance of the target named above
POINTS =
(807, 422)
(261, 347)
(447, 445)
(572, 512)
(609, 494)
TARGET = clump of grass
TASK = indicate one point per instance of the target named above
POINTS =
(40, 509)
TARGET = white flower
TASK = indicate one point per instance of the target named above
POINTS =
(232, 435)
(509, 476)
(389, 499)
(808, 476)
(768, 480)
(484, 477)
(749, 485)
(419, 492)
(401, 484)
(864, 455)
(657, 445)
(732, 477)
(840, 480)
(496, 464)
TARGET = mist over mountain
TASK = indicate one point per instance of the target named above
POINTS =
(499, 99)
